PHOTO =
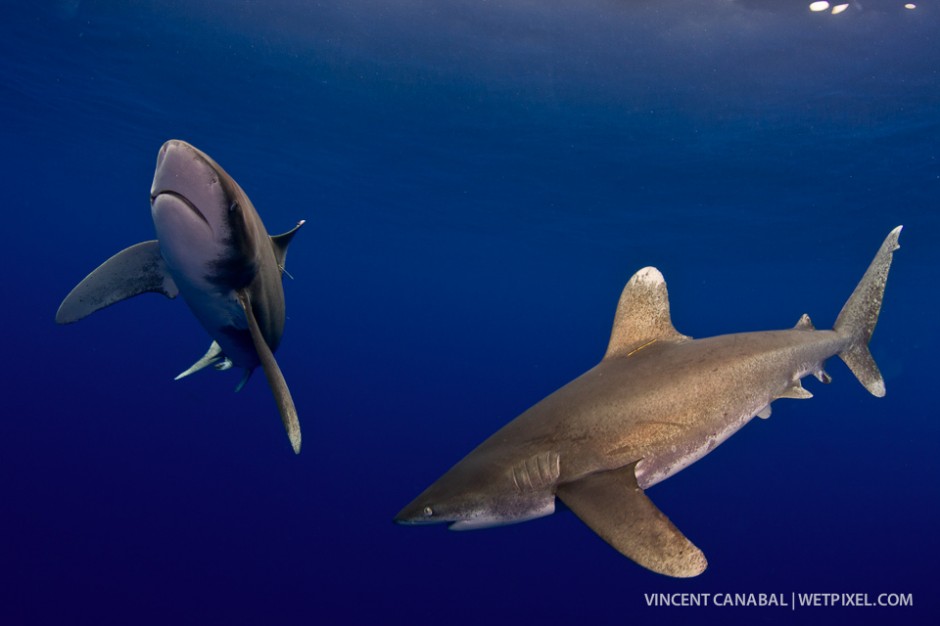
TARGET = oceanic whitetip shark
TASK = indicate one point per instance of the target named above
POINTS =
(656, 403)
(212, 248)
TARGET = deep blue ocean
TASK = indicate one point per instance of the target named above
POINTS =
(479, 179)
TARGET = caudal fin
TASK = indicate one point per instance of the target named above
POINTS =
(860, 314)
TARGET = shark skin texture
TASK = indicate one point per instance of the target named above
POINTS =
(657, 402)
(213, 249)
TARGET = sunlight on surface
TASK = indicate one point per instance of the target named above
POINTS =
(822, 5)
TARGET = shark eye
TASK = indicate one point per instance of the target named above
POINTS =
(233, 207)
(428, 511)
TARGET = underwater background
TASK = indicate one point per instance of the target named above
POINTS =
(479, 179)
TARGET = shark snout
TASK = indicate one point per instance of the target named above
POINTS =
(173, 171)
(163, 150)
(418, 513)
(187, 180)
(173, 160)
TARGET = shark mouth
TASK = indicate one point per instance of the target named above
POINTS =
(181, 198)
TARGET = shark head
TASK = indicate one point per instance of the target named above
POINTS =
(481, 495)
(461, 510)
(202, 216)
(188, 181)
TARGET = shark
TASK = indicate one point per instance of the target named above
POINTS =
(213, 249)
(657, 402)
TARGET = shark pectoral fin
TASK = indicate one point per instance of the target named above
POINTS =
(285, 404)
(614, 507)
(128, 273)
(213, 354)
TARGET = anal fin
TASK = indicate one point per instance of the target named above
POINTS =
(128, 273)
(241, 383)
(272, 372)
(822, 376)
(613, 506)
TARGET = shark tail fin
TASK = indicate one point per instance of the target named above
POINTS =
(858, 317)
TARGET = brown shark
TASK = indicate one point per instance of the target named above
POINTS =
(656, 403)
(212, 248)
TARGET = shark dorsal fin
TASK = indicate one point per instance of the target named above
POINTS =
(280, 243)
(805, 323)
(642, 315)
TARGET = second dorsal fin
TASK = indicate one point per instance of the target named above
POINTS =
(805, 323)
(642, 315)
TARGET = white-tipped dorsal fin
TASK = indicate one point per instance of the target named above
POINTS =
(642, 315)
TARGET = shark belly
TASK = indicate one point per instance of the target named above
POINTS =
(703, 408)
(223, 317)
(667, 461)
(190, 249)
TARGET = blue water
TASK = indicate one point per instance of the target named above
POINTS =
(479, 180)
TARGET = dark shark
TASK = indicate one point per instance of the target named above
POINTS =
(657, 402)
(212, 248)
